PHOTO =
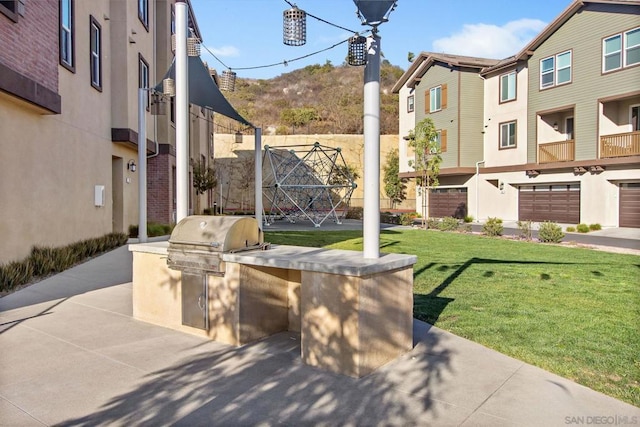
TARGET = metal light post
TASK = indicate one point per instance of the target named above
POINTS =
(142, 166)
(372, 13)
(182, 112)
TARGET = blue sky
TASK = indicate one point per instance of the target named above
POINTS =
(248, 33)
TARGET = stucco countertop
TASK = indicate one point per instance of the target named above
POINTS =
(333, 261)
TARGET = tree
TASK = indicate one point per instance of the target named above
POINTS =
(424, 141)
(204, 179)
(394, 187)
(298, 116)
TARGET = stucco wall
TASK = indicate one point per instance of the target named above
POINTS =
(496, 113)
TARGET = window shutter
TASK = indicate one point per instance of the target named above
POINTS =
(444, 96)
(443, 140)
(427, 101)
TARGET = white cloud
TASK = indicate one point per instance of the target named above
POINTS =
(490, 41)
(225, 51)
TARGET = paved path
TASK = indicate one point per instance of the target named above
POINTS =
(71, 354)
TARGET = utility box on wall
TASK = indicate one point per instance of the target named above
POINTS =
(99, 196)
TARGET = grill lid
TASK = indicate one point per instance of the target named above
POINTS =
(216, 233)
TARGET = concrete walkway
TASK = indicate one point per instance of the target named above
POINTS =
(71, 354)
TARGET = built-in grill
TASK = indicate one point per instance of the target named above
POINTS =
(198, 242)
(195, 248)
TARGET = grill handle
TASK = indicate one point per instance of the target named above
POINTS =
(206, 245)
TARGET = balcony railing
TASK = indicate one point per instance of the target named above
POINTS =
(620, 145)
(561, 151)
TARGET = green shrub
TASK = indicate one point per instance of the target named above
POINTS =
(571, 229)
(433, 223)
(550, 232)
(154, 229)
(525, 228)
(582, 228)
(354, 213)
(449, 223)
(468, 219)
(43, 261)
(14, 274)
(493, 227)
(408, 218)
(595, 227)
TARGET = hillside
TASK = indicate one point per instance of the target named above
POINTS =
(317, 99)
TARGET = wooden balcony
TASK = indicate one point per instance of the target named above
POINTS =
(561, 151)
(620, 145)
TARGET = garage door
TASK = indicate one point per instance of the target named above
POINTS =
(630, 205)
(445, 202)
(559, 203)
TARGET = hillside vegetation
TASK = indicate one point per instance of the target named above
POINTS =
(317, 99)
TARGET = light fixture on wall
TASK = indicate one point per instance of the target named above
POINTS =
(131, 166)
(239, 137)
(555, 126)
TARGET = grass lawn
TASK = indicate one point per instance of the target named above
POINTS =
(571, 311)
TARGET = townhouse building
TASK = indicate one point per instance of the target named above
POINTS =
(560, 135)
(448, 89)
(69, 77)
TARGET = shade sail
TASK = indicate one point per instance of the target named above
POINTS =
(203, 92)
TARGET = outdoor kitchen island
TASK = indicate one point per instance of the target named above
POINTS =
(353, 314)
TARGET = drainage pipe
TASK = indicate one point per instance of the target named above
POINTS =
(477, 189)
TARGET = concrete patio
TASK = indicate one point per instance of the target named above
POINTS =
(71, 354)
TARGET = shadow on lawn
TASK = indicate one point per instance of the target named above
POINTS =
(429, 307)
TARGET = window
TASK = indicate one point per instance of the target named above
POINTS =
(508, 135)
(67, 35)
(173, 19)
(621, 50)
(10, 9)
(435, 99)
(555, 70)
(568, 128)
(95, 53)
(635, 118)
(612, 53)
(441, 140)
(632, 47)
(143, 75)
(410, 104)
(143, 12)
(508, 87)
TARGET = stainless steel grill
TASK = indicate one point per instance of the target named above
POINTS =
(198, 242)
(195, 248)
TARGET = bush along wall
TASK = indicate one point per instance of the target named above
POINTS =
(44, 261)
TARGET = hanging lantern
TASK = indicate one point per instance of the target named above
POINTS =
(357, 55)
(169, 87)
(228, 81)
(294, 27)
(193, 46)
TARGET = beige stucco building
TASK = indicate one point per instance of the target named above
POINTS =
(69, 77)
(560, 133)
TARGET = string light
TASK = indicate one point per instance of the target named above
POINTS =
(322, 20)
(286, 62)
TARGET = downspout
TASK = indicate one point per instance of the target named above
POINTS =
(155, 72)
(477, 189)
(478, 168)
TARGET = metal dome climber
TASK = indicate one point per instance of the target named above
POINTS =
(305, 182)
